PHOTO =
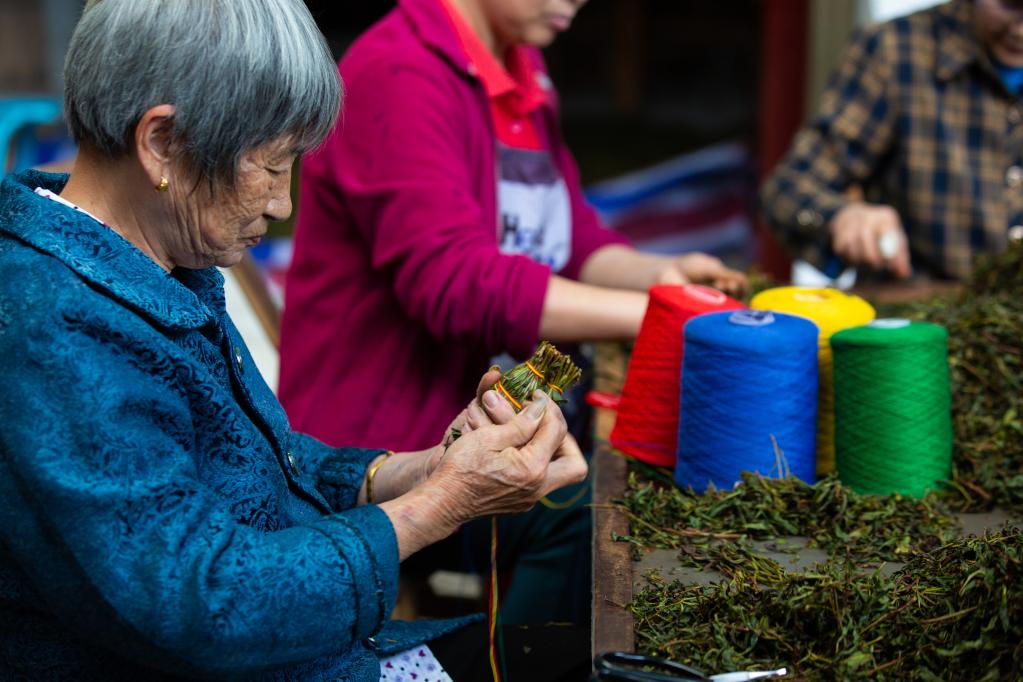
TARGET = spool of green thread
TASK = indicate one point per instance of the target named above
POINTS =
(893, 422)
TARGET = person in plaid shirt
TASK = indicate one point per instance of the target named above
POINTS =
(923, 120)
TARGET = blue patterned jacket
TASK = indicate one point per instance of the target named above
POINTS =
(158, 516)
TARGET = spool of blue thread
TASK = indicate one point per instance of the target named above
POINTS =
(747, 376)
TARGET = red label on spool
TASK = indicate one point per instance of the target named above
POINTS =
(705, 294)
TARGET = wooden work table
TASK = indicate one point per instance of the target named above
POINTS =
(616, 574)
(612, 561)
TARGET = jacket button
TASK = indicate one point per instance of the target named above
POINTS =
(293, 463)
(239, 360)
(1014, 177)
(807, 217)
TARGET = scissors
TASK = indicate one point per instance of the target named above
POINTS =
(618, 666)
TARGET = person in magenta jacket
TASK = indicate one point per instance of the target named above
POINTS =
(399, 293)
(443, 224)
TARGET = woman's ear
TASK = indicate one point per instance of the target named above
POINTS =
(154, 142)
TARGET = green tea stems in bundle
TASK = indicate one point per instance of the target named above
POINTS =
(551, 372)
(561, 375)
(548, 370)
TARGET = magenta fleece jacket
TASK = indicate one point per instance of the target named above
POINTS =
(398, 295)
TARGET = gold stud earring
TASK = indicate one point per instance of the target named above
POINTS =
(164, 184)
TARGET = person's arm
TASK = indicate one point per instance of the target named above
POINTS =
(841, 147)
(626, 268)
(574, 312)
(404, 169)
(603, 258)
(340, 473)
(498, 469)
(104, 507)
(403, 165)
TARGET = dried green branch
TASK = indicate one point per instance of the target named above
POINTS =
(954, 613)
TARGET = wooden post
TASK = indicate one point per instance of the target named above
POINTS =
(782, 99)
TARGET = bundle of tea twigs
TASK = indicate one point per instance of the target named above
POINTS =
(955, 613)
(547, 370)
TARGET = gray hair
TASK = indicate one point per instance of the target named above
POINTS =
(240, 73)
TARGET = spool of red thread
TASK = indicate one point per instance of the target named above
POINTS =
(647, 423)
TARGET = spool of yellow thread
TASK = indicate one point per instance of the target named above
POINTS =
(832, 311)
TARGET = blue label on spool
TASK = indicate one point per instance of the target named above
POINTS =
(752, 318)
(889, 323)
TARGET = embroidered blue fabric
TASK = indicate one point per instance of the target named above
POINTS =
(159, 518)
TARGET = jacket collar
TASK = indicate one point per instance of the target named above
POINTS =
(430, 21)
(433, 25)
(183, 299)
(957, 43)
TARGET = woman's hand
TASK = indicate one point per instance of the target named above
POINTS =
(406, 470)
(496, 469)
(623, 267)
(699, 268)
(490, 407)
(508, 467)
(473, 416)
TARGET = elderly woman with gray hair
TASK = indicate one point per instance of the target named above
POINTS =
(160, 519)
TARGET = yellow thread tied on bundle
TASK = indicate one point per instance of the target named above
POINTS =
(832, 311)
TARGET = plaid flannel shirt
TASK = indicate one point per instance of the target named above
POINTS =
(917, 118)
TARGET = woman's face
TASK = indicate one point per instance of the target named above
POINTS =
(216, 227)
(999, 25)
(532, 22)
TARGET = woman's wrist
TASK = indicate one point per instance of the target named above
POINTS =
(623, 267)
(421, 517)
(371, 473)
(430, 462)
(393, 474)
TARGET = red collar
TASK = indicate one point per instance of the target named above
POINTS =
(516, 88)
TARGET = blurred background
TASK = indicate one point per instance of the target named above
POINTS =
(673, 108)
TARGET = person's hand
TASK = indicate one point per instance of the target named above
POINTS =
(507, 468)
(488, 407)
(490, 469)
(871, 235)
(699, 268)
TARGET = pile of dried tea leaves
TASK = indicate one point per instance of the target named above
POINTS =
(864, 528)
(985, 329)
(953, 613)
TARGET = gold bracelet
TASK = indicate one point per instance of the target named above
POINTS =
(371, 472)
